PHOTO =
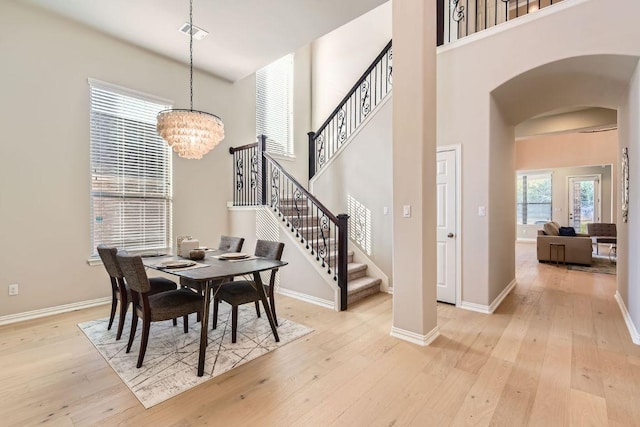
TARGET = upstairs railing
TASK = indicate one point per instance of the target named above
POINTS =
(259, 180)
(460, 18)
(354, 108)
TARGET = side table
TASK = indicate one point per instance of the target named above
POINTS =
(557, 247)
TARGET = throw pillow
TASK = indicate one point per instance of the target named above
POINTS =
(551, 229)
(567, 231)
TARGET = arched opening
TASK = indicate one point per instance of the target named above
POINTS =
(569, 88)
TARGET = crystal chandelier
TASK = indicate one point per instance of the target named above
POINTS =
(191, 133)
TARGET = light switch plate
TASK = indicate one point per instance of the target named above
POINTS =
(406, 211)
(482, 211)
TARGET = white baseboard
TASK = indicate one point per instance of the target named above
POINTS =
(29, 315)
(307, 298)
(412, 337)
(633, 331)
(489, 309)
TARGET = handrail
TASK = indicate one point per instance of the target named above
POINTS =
(242, 147)
(355, 86)
(303, 190)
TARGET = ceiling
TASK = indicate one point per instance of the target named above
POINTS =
(244, 35)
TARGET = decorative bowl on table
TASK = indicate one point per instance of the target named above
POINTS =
(197, 254)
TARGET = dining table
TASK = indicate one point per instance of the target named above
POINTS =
(212, 271)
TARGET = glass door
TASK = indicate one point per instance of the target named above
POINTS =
(584, 201)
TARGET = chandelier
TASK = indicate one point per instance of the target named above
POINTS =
(191, 133)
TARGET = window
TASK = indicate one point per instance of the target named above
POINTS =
(533, 197)
(131, 195)
(274, 100)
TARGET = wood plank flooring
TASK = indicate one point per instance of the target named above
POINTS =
(555, 353)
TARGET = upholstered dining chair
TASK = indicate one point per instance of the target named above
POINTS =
(244, 292)
(227, 244)
(154, 307)
(119, 289)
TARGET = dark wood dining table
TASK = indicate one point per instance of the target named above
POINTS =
(217, 270)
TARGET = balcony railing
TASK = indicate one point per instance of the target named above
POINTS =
(460, 18)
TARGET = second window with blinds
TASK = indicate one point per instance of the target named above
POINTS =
(274, 105)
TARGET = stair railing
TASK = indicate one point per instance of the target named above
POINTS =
(460, 18)
(259, 180)
(355, 107)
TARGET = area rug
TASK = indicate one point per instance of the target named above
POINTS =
(171, 360)
(601, 265)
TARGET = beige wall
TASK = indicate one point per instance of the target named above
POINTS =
(524, 86)
(570, 149)
(363, 171)
(340, 57)
(628, 242)
(44, 155)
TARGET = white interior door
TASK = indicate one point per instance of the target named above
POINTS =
(446, 225)
(584, 201)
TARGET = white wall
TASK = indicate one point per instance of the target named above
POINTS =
(599, 62)
(363, 170)
(44, 155)
(340, 57)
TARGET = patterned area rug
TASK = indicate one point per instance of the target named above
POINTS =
(170, 364)
(600, 265)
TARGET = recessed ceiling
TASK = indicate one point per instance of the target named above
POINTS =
(244, 35)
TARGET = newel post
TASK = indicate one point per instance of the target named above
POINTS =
(312, 154)
(343, 239)
(262, 148)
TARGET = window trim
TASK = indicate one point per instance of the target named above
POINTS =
(93, 258)
(539, 173)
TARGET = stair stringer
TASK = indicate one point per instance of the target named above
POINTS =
(303, 278)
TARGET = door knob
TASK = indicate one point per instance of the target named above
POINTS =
(450, 235)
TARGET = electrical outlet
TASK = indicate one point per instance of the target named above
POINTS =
(14, 289)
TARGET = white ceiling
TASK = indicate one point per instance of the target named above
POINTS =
(244, 35)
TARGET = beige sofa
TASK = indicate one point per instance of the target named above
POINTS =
(577, 249)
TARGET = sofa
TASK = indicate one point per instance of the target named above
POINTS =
(577, 248)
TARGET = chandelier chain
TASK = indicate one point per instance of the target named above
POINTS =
(191, 54)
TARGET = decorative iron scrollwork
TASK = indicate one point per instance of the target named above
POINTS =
(342, 125)
(239, 174)
(457, 11)
(365, 93)
(254, 170)
(275, 188)
(296, 222)
(390, 66)
(323, 247)
(320, 145)
(358, 225)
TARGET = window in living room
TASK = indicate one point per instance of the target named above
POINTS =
(131, 170)
(533, 198)
(274, 105)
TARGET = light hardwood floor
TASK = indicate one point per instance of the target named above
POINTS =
(556, 352)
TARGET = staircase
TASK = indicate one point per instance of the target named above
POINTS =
(297, 216)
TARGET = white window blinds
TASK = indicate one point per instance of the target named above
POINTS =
(274, 105)
(131, 171)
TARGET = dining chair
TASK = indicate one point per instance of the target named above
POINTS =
(119, 288)
(154, 307)
(244, 291)
(227, 244)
